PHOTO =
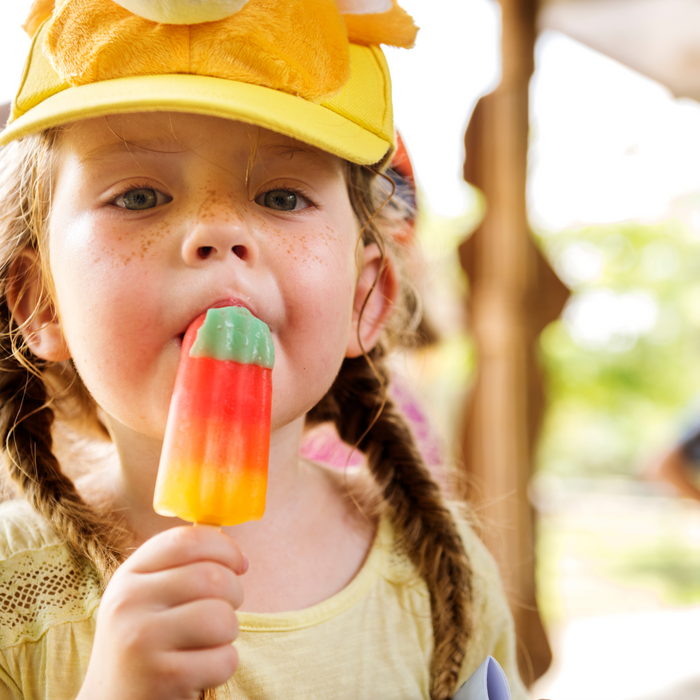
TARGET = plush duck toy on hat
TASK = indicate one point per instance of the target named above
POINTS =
(299, 46)
(239, 59)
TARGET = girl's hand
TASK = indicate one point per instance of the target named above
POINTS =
(167, 619)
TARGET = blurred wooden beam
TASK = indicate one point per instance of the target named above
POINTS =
(657, 38)
(513, 294)
(4, 115)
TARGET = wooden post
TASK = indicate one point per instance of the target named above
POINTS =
(4, 115)
(513, 294)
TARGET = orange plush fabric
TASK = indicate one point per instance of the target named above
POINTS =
(297, 46)
(394, 27)
(38, 12)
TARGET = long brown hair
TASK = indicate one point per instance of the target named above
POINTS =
(29, 386)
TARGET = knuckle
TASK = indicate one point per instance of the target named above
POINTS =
(213, 576)
(135, 637)
(167, 665)
(184, 539)
(167, 669)
(118, 600)
(117, 606)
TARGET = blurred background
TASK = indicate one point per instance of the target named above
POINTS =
(562, 280)
(592, 163)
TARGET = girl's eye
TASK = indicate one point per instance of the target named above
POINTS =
(282, 200)
(140, 199)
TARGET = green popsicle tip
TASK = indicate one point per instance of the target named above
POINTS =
(233, 333)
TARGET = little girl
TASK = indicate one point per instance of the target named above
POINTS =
(163, 158)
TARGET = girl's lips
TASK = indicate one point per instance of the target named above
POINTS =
(228, 302)
(232, 301)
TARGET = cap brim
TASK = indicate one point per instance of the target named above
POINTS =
(278, 111)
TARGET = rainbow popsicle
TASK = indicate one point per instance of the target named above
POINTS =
(213, 467)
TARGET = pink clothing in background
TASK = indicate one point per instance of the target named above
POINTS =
(322, 443)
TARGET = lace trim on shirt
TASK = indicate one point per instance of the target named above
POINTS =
(40, 589)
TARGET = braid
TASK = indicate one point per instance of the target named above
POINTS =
(26, 406)
(26, 419)
(365, 417)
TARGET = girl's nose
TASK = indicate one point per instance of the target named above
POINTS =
(218, 236)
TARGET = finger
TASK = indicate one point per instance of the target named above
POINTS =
(201, 624)
(185, 545)
(184, 584)
(205, 668)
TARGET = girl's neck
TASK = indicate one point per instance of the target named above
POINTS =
(125, 486)
(309, 545)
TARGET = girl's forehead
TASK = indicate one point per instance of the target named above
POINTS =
(173, 132)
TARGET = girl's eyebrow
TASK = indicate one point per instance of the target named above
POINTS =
(286, 151)
(161, 145)
(267, 154)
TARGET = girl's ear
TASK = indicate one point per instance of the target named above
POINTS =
(26, 293)
(379, 304)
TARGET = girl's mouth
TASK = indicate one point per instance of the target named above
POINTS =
(228, 302)
(232, 301)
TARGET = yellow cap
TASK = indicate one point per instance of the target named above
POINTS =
(353, 121)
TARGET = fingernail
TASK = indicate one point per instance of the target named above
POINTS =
(246, 564)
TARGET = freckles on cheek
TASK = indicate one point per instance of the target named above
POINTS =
(126, 248)
(319, 245)
(101, 303)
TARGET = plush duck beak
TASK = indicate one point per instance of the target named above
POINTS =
(363, 7)
(163, 11)
(198, 11)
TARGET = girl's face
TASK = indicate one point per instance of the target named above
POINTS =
(158, 217)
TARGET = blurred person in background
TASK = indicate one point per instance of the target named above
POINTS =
(680, 466)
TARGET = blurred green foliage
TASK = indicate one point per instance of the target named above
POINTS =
(670, 569)
(601, 557)
(624, 360)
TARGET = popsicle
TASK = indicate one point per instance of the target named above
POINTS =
(213, 467)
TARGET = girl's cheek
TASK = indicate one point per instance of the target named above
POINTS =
(104, 292)
(127, 245)
(94, 247)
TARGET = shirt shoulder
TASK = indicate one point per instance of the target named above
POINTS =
(41, 584)
(23, 529)
(383, 619)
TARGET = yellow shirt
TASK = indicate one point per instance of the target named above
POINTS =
(372, 640)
